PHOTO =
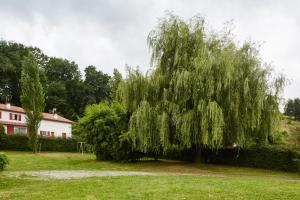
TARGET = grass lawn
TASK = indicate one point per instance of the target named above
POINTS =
(209, 182)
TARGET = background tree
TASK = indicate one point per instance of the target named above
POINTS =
(292, 108)
(32, 98)
(11, 56)
(63, 79)
(97, 85)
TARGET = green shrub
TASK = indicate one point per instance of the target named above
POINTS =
(268, 157)
(20, 143)
(3, 161)
(104, 126)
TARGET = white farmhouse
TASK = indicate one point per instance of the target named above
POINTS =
(52, 125)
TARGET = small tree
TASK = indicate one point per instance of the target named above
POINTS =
(104, 126)
(32, 98)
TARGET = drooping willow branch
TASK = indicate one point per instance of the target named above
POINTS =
(204, 91)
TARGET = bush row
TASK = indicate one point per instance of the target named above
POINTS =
(20, 143)
(267, 157)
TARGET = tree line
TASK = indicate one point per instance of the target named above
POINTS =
(65, 88)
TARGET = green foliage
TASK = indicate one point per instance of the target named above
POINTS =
(104, 125)
(11, 56)
(61, 69)
(146, 136)
(97, 85)
(65, 90)
(32, 98)
(292, 108)
(269, 157)
(20, 143)
(114, 84)
(15, 142)
(3, 161)
(204, 92)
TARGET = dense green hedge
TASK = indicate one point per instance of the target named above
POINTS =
(20, 143)
(268, 157)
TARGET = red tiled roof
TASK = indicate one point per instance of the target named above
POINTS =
(46, 116)
(12, 108)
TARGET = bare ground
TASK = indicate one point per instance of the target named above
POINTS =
(77, 174)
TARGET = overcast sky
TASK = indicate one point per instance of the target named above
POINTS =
(112, 33)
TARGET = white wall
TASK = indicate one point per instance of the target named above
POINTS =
(5, 116)
(46, 125)
(57, 127)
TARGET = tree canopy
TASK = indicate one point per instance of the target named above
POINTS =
(292, 108)
(204, 91)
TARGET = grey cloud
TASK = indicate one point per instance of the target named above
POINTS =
(112, 33)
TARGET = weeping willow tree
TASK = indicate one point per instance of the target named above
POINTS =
(203, 91)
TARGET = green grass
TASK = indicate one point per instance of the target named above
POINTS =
(223, 182)
(149, 188)
(24, 161)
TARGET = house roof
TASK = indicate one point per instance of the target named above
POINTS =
(46, 116)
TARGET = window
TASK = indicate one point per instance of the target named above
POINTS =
(64, 135)
(14, 116)
(43, 133)
(46, 133)
(19, 130)
(52, 134)
(0, 115)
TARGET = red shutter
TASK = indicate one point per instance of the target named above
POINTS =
(10, 116)
(10, 129)
(20, 118)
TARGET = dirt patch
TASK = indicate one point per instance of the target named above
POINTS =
(77, 174)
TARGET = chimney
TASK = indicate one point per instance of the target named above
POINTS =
(55, 116)
(8, 106)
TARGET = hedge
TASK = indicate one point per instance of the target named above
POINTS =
(20, 143)
(267, 157)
